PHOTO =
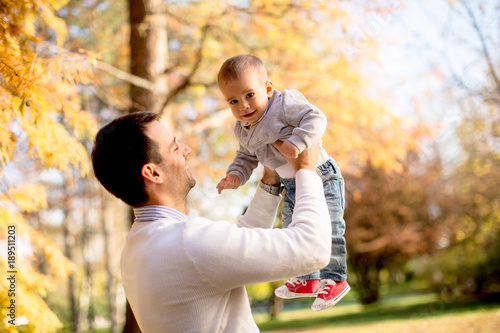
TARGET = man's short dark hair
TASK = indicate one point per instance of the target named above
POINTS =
(120, 151)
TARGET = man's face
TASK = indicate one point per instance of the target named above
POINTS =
(247, 96)
(178, 177)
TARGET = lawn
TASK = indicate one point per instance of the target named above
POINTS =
(403, 313)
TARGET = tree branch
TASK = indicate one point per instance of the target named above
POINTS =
(484, 47)
(118, 73)
(108, 101)
(211, 121)
(187, 79)
(127, 77)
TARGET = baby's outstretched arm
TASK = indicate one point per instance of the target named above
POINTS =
(289, 150)
(228, 182)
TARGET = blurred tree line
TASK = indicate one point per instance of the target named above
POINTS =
(69, 66)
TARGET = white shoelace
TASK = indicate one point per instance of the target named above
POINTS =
(294, 281)
(324, 286)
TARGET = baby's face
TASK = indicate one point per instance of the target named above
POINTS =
(247, 96)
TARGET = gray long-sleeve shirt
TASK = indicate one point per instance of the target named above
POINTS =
(289, 116)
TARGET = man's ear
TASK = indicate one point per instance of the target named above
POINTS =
(269, 88)
(150, 172)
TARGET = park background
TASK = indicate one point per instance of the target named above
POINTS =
(411, 91)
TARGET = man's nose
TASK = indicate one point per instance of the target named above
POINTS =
(185, 149)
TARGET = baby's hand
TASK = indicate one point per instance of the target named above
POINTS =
(229, 182)
(289, 150)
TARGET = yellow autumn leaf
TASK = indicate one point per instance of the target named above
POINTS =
(28, 197)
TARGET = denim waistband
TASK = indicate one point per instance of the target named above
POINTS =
(322, 170)
(325, 168)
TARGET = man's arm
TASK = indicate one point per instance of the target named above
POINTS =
(230, 257)
(262, 210)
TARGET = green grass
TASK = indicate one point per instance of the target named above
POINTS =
(98, 330)
(391, 308)
(394, 313)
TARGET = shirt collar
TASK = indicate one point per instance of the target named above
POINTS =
(152, 213)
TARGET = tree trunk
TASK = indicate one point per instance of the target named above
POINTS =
(130, 322)
(148, 59)
(69, 241)
(367, 273)
(87, 292)
(148, 53)
(131, 325)
(276, 303)
(107, 231)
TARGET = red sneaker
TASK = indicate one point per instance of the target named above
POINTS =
(294, 288)
(329, 293)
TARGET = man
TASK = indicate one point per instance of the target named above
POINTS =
(184, 274)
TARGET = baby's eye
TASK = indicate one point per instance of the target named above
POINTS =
(250, 95)
(233, 101)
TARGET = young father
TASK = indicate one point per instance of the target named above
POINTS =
(184, 274)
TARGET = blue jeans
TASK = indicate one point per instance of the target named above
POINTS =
(333, 186)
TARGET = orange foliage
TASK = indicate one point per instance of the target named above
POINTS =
(41, 108)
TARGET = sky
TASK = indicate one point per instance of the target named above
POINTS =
(424, 42)
(421, 43)
(423, 46)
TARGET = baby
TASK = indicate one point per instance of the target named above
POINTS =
(265, 115)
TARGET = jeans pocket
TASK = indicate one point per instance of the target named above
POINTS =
(334, 196)
(342, 193)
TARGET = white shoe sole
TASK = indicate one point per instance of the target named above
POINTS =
(289, 294)
(332, 302)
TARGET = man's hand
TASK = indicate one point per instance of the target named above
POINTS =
(289, 150)
(229, 182)
(305, 160)
(270, 177)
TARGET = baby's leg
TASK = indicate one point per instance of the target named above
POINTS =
(333, 286)
(337, 268)
(333, 185)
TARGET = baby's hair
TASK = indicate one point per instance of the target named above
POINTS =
(233, 68)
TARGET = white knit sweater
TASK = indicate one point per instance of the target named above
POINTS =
(188, 275)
